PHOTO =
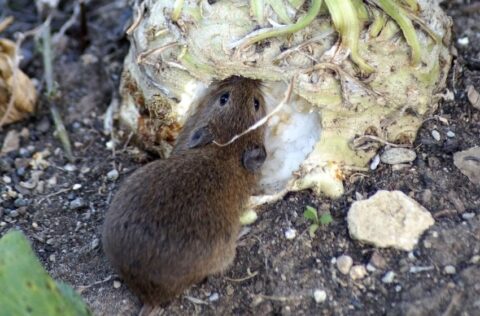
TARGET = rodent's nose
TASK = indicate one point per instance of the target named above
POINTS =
(254, 158)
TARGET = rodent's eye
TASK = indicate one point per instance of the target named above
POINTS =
(256, 104)
(224, 98)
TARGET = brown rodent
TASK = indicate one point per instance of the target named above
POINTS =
(175, 221)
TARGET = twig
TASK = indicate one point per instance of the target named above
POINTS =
(67, 25)
(249, 276)
(52, 194)
(264, 119)
(138, 19)
(82, 288)
(6, 23)
(48, 68)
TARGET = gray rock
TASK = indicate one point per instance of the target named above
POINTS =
(388, 219)
(319, 296)
(449, 269)
(76, 204)
(112, 175)
(19, 202)
(44, 125)
(393, 156)
(11, 142)
(378, 261)
(388, 277)
(436, 135)
(358, 272)
(468, 161)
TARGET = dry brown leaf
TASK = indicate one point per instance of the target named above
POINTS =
(17, 93)
(473, 97)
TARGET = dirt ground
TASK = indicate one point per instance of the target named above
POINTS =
(272, 275)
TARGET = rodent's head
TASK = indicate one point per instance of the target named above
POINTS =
(230, 107)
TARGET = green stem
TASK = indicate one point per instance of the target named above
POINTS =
(257, 7)
(49, 80)
(345, 18)
(177, 10)
(400, 16)
(265, 33)
(378, 23)
(280, 10)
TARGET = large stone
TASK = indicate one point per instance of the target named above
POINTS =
(388, 219)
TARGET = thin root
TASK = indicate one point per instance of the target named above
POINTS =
(138, 19)
(248, 277)
(82, 288)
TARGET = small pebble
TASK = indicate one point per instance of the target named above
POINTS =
(398, 288)
(468, 216)
(69, 167)
(34, 225)
(449, 269)
(117, 284)
(436, 135)
(375, 162)
(6, 179)
(20, 202)
(475, 259)
(13, 214)
(319, 296)
(464, 41)
(394, 156)
(24, 153)
(76, 186)
(358, 272)
(450, 134)
(43, 126)
(290, 233)
(21, 171)
(95, 243)
(77, 204)
(371, 267)
(112, 175)
(388, 277)
(416, 269)
(51, 258)
(344, 263)
(378, 261)
(84, 170)
(214, 297)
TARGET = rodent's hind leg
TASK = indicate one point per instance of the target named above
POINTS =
(149, 310)
(223, 260)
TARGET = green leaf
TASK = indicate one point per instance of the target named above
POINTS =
(311, 214)
(326, 219)
(312, 229)
(26, 288)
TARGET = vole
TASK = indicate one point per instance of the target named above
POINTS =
(174, 222)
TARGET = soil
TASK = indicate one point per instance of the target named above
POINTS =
(63, 215)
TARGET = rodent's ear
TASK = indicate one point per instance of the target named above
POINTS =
(201, 137)
(254, 158)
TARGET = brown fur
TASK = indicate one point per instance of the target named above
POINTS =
(175, 221)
